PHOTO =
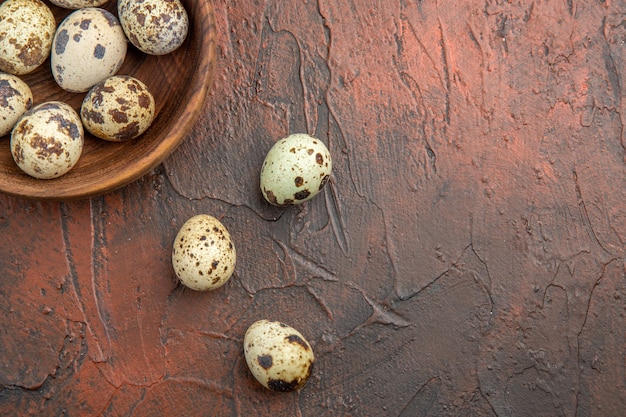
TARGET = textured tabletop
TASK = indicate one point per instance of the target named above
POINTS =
(466, 257)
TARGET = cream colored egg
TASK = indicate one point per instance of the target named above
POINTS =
(203, 253)
(117, 109)
(48, 140)
(278, 356)
(78, 4)
(89, 47)
(26, 31)
(156, 27)
(15, 99)
(295, 170)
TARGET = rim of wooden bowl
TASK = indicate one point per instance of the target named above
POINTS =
(125, 162)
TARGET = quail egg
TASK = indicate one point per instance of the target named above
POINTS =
(15, 99)
(47, 140)
(78, 4)
(117, 109)
(26, 31)
(203, 253)
(278, 356)
(156, 27)
(295, 170)
(89, 46)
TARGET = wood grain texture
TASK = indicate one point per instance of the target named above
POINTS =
(466, 258)
(179, 82)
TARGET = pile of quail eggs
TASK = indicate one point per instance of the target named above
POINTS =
(86, 51)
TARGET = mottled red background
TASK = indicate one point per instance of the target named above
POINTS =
(467, 258)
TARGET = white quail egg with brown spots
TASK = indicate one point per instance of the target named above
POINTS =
(47, 141)
(203, 254)
(16, 98)
(156, 27)
(26, 31)
(278, 356)
(78, 4)
(89, 46)
(118, 109)
(295, 170)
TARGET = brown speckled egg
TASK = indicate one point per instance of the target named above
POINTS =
(156, 27)
(278, 356)
(119, 108)
(48, 140)
(295, 170)
(78, 4)
(15, 99)
(89, 46)
(26, 31)
(203, 254)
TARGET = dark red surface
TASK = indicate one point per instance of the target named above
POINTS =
(467, 258)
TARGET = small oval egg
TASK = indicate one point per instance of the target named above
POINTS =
(89, 46)
(278, 356)
(203, 253)
(48, 140)
(15, 99)
(156, 27)
(26, 31)
(295, 170)
(78, 4)
(118, 109)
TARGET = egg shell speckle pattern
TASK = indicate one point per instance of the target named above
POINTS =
(295, 170)
(26, 31)
(89, 47)
(156, 27)
(278, 356)
(47, 141)
(203, 254)
(78, 4)
(15, 99)
(117, 109)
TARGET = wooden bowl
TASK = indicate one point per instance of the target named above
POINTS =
(179, 82)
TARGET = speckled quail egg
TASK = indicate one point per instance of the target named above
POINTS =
(47, 140)
(156, 27)
(26, 31)
(278, 356)
(89, 46)
(117, 109)
(15, 99)
(203, 253)
(295, 170)
(78, 4)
